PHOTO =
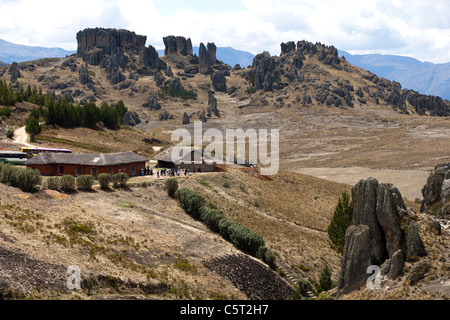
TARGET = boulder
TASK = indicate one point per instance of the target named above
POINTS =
(177, 44)
(186, 119)
(84, 75)
(207, 58)
(389, 201)
(364, 199)
(218, 81)
(212, 103)
(432, 191)
(131, 118)
(397, 264)
(14, 72)
(152, 103)
(355, 258)
(414, 243)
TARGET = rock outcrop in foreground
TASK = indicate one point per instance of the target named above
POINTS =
(436, 192)
(383, 233)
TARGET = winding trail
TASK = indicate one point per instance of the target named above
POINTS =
(21, 137)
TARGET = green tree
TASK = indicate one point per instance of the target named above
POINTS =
(342, 218)
(32, 127)
(325, 282)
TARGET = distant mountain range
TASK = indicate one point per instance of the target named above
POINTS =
(10, 52)
(228, 55)
(423, 77)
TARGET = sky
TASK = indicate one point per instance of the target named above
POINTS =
(419, 29)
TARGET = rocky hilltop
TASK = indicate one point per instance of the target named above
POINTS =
(117, 63)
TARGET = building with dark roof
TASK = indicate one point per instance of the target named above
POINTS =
(77, 164)
(166, 159)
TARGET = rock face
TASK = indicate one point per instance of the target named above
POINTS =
(186, 119)
(84, 75)
(219, 81)
(111, 49)
(357, 258)
(382, 233)
(436, 191)
(275, 73)
(207, 57)
(212, 102)
(14, 71)
(179, 45)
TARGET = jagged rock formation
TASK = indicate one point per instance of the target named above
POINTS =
(14, 72)
(131, 118)
(212, 103)
(112, 49)
(178, 44)
(436, 191)
(272, 73)
(84, 75)
(383, 233)
(207, 57)
(186, 119)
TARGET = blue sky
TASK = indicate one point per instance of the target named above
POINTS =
(420, 29)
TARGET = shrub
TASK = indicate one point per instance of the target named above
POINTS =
(120, 180)
(52, 183)
(242, 237)
(28, 179)
(5, 112)
(211, 218)
(342, 218)
(324, 296)
(85, 182)
(10, 133)
(266, 256)
(104, 179)
(325, 282)
(190, 201)
(8, 174)
(171, 186)
(67, 183)
(303, 286)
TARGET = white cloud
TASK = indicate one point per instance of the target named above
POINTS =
(409, 27)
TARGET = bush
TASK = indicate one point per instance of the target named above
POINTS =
(325, 282)
(342, 218)
(52, 183)
(303, 286)
(120, 180)
(67, 183)
(85, 182)
(10, 134)
(211, 218)
(242, 237)
(104, 179)
(171, 186)
(190, 201)
(28, 179)
(8, 174)
(266, 256)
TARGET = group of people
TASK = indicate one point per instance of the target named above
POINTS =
(171, 172)
(167, 171)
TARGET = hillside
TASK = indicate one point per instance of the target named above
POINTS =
(424, 77)
(334, 119)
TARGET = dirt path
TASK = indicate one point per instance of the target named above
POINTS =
(409, 182)
(21, 137)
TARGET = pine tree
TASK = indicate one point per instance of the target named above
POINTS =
(342, 218)
(325, 282)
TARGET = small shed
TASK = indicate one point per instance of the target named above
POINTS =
(165, 160)
(77, 164)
